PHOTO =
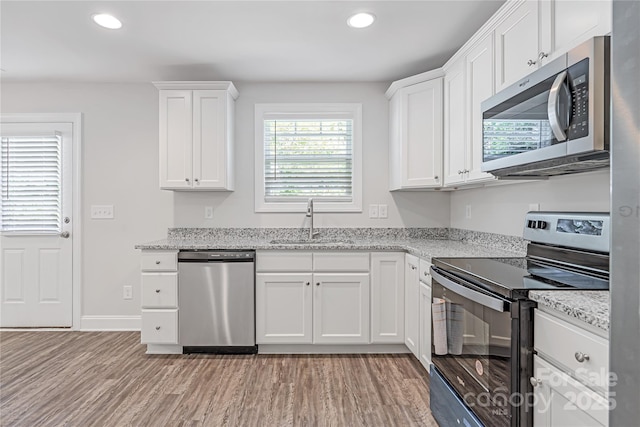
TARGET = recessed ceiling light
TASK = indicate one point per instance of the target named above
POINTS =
(361, 20)
(107, 21)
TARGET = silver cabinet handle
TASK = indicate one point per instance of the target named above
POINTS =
(318, 284)
(581, 357)
(186, 179)
(535, 381)
(157, 328)
(196, 180)
(308, 283)
(65, 234)
(413, 267)
(459, 172)
(543, 55)
(426, 274)
(157, 262)
(559, 123)
(67, 220)
(531, 62)
(436, 177)
(157, 291)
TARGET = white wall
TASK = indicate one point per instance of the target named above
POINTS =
(501, 209)
(425, 209)
(120, 167)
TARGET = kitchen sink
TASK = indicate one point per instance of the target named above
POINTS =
(311, 242)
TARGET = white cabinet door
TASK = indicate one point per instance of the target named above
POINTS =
(284, 308)
(341, 308)
(517, 44)
(419, 129)
(567, 23)
(480, 84)
(425, 323)
(411, 304)
(562, 401)
(455, 125)
(387, 298)
(210, 148)
(176, 127)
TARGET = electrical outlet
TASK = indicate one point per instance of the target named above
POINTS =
(373, 211)
(534, 207)
(467, 211)
(101, 211)
(382, 211)
(208, 212)
(127, 292)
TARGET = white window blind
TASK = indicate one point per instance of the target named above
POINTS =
(31, 184)
(308, 158)
(503, 137)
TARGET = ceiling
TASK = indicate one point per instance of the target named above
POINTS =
(273, 41)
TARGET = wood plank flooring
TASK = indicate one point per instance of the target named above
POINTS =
(105, 379)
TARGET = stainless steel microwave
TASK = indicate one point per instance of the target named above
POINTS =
(555, 121)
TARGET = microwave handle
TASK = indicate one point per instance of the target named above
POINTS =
(559, 89)
(484, 299)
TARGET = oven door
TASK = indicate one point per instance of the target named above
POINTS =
(472, 339)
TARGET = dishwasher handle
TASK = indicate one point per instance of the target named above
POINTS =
(216, 256)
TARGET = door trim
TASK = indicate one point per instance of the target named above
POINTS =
(75, 119)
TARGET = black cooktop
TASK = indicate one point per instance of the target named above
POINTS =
(515, 277)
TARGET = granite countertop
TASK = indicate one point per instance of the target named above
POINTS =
(591, 307)
(423, 248)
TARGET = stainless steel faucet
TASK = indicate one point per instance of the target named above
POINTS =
(312, 233)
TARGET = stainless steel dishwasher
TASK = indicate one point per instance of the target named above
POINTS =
(216, 300)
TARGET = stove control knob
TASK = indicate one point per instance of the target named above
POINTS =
(531, 224)
(542, 225)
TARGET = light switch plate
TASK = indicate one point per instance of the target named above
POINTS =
(373, 211)
(208, 212)
(467, 211)
(382, 211)
(101, 211)
(127, 292)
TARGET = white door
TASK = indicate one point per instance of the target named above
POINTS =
(176, 134)
(411, 304)
(36, 241)
(341, 308)
(454, 116)
(425, 324)
(387, 298)
(283, 308)
(209, 139)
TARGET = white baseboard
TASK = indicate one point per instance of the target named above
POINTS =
(110, 323)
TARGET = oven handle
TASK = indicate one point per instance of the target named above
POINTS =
(484, 299)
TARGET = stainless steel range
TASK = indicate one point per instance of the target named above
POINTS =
(482, 337)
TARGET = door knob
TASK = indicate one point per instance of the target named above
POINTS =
(65, 234)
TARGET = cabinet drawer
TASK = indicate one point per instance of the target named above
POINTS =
(159, 327)
(159, 290)
(159, 261)
(284, 261)
(425, 273)
(341, 261)
(564, 343)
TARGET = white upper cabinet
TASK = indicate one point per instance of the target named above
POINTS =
(480, 86)
(455, 113)
(567, 23)
(196, 135)
(416, 134)
(517, 44)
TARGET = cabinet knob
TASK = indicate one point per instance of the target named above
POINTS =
(543, 55)
(425, 274)
(157, 262)
(581, 357)
(318, 284)
(531, 62)
(413, 267)
(459, 172)
(186, 179)
(308, 283)
(196, 180)
(535, 381)
(157, 291)
(436, 177)
(157, 328)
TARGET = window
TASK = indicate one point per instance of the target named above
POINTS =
(31, 172)
(308, 151)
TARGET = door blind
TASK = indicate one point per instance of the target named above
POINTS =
(31, 184)
(308, 158)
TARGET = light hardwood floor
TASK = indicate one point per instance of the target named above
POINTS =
(105, 379)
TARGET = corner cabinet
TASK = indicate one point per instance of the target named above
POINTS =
(415, 132)
(196, 135)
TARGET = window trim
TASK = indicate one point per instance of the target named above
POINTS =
(354, 111)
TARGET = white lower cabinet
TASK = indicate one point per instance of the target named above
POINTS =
(341, 308)
(284, 311)
(412, 304)
(561, 401)
(387, 297)
(425, 314)
(159, 326)
(329, 304)
(570, 374)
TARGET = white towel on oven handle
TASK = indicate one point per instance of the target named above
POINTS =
(439, 315)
